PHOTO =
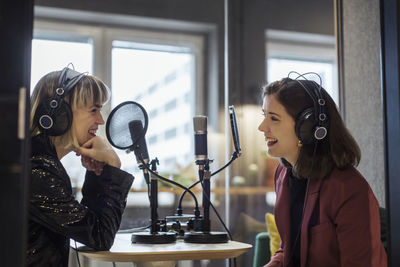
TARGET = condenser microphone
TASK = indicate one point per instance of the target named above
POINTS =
(202, 226)
(140, 149)
(200, 138)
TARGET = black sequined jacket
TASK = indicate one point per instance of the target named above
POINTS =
(55, 216)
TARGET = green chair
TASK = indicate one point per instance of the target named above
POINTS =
(262, 252)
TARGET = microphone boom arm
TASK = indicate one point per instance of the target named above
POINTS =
(233, 157)
(197, 211)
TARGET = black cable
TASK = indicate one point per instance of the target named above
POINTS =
(222, 222)
(216, 213)
(179, 209)
(187, 189)
(171, 182)
(233, 157)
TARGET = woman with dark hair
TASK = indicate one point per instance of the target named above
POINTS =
(325, 211)
(65, 115)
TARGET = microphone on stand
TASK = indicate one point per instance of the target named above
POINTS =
(126, 127)
(237, 153)
(202, 226)
(200, 139)
(201, 155)
(140, 149)
(156, 236)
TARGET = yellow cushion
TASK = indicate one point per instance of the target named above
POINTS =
(274, 237)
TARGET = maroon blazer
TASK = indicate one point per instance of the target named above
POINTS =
(341, 224)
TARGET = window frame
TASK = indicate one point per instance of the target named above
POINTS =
(102, 38)
(303, 47)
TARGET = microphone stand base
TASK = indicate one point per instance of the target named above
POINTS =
(206, 237)
(153, 238)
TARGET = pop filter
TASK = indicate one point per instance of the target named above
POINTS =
(117, 126)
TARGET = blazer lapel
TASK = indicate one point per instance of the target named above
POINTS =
(283, 206)
(312, 198)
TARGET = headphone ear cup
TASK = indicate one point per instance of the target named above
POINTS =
(54, 124)
(42, 118)
(62, 119)
(305, 125)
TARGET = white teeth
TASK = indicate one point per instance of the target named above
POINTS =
(270, 139)
(92, 131)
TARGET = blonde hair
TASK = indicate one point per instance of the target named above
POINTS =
(87, 92)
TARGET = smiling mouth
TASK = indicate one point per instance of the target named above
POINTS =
(92, 132)
(271, 141)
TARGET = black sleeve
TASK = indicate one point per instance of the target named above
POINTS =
(93, 222)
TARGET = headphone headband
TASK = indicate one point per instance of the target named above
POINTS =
(318, 122)
(55, 117)
(68, 79)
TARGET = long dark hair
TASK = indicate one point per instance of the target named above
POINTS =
(338, 149)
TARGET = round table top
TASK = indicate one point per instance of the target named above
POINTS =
(124, 251)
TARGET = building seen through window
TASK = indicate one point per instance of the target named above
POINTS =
(161, 82)
(302, 52)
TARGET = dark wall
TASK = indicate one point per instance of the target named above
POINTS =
(188, 10)
(16, 28)
(309, 15)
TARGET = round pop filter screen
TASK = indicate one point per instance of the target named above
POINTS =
(117, 126)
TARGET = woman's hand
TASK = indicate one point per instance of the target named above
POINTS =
(98, 149)
(92, 165)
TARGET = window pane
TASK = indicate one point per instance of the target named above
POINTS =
(162, 82)
(280, 67)
(50, 55)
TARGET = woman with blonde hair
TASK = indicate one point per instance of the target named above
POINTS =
(65, 115)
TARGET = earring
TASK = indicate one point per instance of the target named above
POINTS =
(299, 144)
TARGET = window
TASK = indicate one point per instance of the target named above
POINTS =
(152, 140)
(164, 73)
(170, 134)
(80, 53)
(302, 52)
(171, 105)
(156, 69)
(153, 113)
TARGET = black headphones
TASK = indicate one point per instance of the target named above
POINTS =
(54, 116)
(311, 124)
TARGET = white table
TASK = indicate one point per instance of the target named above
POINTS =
(163, 254)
